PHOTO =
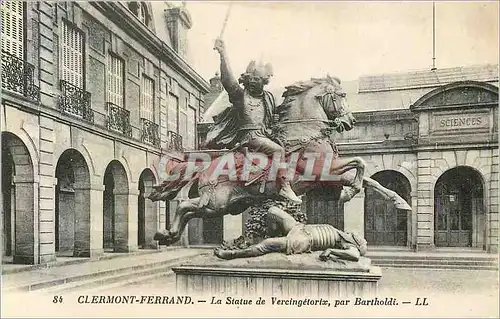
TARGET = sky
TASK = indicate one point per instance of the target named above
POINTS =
(346, 39)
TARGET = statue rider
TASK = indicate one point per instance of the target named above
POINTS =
(251, 114)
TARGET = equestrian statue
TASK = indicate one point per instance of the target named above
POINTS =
(298, 136)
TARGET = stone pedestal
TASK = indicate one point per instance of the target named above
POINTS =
(277, 275)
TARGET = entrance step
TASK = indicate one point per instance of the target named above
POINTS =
(474, 261)
(120, 278)
(97, 273)
(9, 268)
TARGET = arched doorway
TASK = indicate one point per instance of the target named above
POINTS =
(115, 208)
(459, 217)
(321, 206)
(147, 211)
(385, 225)
(72, 205)
(18, 233)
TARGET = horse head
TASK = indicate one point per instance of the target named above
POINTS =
(312, 105)
(334, 103)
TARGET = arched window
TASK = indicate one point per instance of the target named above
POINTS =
(140, 10)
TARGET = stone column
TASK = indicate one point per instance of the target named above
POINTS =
(88, 220)
(412, 221)
(493, 218)
(425, 202)
(26, 250)
(126, 221)
(354, 214)
(151, 217)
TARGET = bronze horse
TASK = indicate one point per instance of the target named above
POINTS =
(311, 114)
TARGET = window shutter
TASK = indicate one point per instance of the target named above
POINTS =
(72, 55)
(191, 129)
(183, 119)
(147, 107)
(172, 113)
(13, 28)
(115, 80)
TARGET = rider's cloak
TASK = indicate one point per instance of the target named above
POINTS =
(224, 132)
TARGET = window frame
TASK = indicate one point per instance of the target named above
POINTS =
(114, 55)
(24, 42)
(84, 52)
(144, 78)
(195, 122)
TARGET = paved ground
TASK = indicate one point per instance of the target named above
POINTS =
(450, 293)
(81, 267)
(396, 281)
(438, 281)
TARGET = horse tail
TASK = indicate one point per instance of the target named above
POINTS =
(170, 188)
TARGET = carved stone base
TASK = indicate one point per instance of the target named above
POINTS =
(277, 275)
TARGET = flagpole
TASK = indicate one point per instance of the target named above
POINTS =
(433, 36)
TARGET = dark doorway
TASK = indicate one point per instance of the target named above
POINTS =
(116, 228)
(8, 194)
(147, 211)
(385, 225)
(141, 216)
(458, 207)
(108, 211)
(213, 232)
(321, 207)
(18, 191)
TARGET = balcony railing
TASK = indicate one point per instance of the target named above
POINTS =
(19, 76)
(118, 119)
(150, 132)
(174, 142)
(75, 101)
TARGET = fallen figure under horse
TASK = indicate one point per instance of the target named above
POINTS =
(312, 113)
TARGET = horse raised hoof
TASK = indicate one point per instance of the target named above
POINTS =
(347, 193)
(164, 238)
(400, 203)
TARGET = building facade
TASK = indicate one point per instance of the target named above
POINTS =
(431, 136)
(93, 93)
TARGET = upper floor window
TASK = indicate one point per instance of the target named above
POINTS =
(147, 99)
(115, 80)
(183, 121)
(13, 28)
(72, 55)
(191, 128)
(173, 106)
(140, 10)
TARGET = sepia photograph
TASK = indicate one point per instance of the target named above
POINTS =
(266, 159)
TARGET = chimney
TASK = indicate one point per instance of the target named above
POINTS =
(216, 84)
(178, 23)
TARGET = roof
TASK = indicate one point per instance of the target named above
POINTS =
(160, 21)
(425, 78)
(389, 91)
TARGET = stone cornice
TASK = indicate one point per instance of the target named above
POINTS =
(280, 273)
(122, 17)
(38, 109)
